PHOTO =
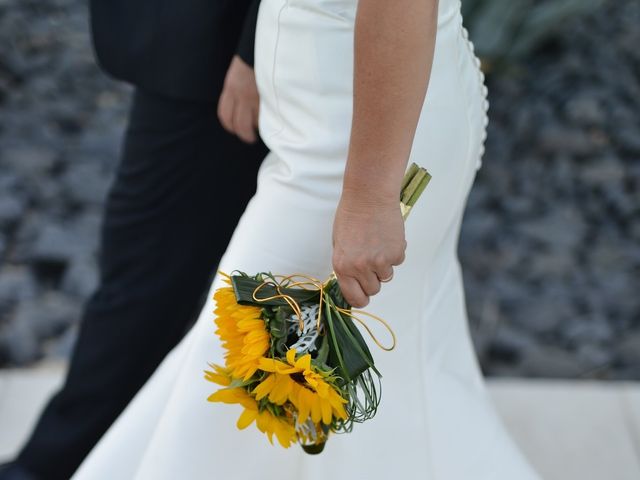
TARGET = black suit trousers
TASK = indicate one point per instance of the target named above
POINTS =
(180, 188)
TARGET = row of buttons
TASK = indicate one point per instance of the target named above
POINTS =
(465, 35)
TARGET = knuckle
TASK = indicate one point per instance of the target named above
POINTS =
(339, 264)
(399, 257)
(380, 261)
(361, 264)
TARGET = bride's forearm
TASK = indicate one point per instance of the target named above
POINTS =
(394, 44)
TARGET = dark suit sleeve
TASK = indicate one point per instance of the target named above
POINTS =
(248, 36)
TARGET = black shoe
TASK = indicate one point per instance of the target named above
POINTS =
(13, 471)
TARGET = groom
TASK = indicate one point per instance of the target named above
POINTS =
(188, 167)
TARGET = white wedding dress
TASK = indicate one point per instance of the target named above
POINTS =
(436, 421)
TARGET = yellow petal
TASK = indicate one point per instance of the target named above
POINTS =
(234, 395)
(304, 404)
(254, 349)
(250, 324)
(316, 409)
(271, 365)
(247, 418)
(280, 391)
(264, 388)
(304, 363)
(291, 356)
(223, 380)
(284, 433)
(326, 412)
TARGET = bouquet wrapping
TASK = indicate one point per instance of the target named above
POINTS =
(294, 358)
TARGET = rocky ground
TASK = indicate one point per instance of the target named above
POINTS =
(550, 245)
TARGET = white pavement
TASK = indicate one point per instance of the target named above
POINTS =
(571, 430)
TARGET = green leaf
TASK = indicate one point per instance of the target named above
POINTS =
(244, 286)
(335, 359)
(350, 353)
(278, 330)
(323, 352)
(278, 324)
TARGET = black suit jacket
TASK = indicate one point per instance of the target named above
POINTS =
(179, 48)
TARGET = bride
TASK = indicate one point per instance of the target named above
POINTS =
(350, 91)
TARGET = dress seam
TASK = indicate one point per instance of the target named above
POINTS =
(273, 72)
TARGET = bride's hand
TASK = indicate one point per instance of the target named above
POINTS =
(239, 101)
(368, 240)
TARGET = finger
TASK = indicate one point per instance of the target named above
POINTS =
(384, 274)
(352, 292)
(369, 283)
(243, 123)
(225, 111)
(399, 258)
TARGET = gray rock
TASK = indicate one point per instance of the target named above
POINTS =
(562, 227)
(543, 313)
(49, 315)
(629, 139)
(509, 344)
(554, 263)
(582, 330)
(55, 243)
(604, 171)
(50, 195)
(33, 322)
(551, 362)
(62, 347)
(86, 184)
(19, 344)
(556, 139)
(585, 111)
(16, 285)
(480, 223)
(29, 160)
(86, 228)
(12, 209)
(628, 351)
(81, 277)
(9, 181)
(594, 356)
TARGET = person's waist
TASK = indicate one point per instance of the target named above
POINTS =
(447, 9)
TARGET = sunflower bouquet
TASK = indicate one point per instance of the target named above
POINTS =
(294, 358)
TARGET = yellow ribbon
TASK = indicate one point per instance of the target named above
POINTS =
(306, 282)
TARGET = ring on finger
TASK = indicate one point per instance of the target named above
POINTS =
(385, 280)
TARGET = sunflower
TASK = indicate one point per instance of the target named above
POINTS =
(314, 397)
(268, 423)
(243, 333)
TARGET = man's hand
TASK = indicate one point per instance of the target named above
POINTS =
(239, 102)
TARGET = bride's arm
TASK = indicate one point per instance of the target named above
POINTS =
(394, 44)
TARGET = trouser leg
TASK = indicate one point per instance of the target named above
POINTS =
(180, 188)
